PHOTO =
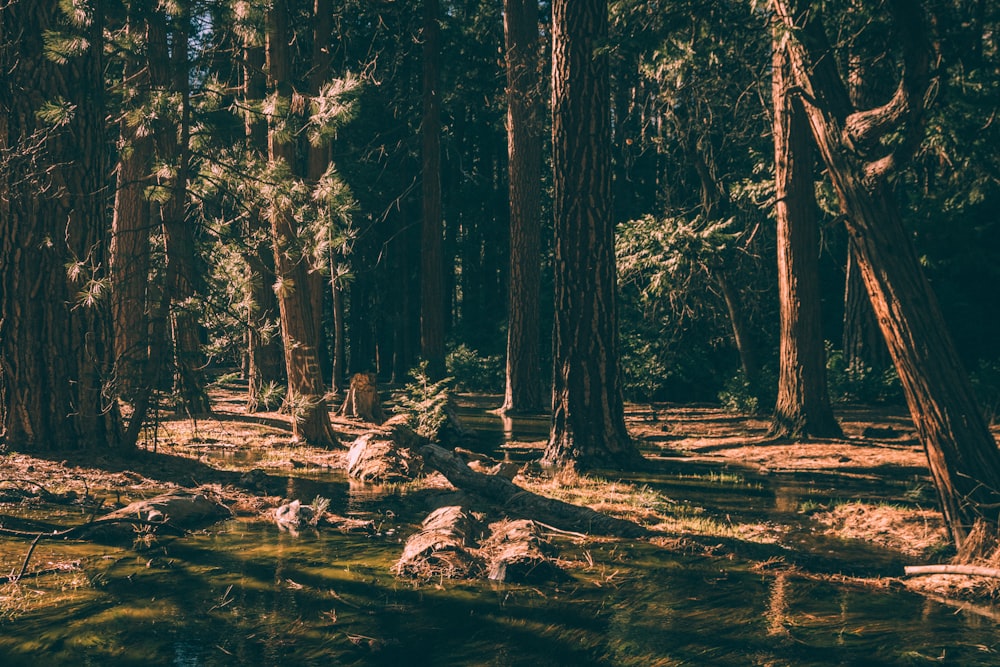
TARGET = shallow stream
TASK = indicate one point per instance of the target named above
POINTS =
(246, 593)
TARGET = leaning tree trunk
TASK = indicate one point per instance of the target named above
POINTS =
(588, 417)
(432, 298)
(56, 347)
(523, 391)
(962, 454)
(310, 412)
(803, 404)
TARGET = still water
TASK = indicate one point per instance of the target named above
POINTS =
(246, 593)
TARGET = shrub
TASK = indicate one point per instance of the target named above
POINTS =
(424, 403)
(475, 372)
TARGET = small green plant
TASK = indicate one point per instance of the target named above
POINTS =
(475, 372)
(271, 396)
(424, 403)
(986, 383)
(738, 396)
(859, 383)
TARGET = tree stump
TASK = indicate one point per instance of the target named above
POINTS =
(443, 547)
(362, 399)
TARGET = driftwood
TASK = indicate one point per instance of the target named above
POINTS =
(362, 399)
(442, 547)
(968, 570)
(517, 501)
(294, 515)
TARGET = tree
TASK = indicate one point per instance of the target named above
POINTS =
(588, 419)
(170, 69)
(803, 405)
(962, 454)
(56, 348)
(432, 297)
(129, 253)
(310, 413)
(523, 391)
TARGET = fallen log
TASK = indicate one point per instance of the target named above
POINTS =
(442, 547)
(521, 502)
(517, 551)
(967, 570)
(178, 510)
(377, 457)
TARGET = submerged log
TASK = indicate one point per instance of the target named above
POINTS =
(181, 510)
(518, 501)
(362, 399)
(442, 547)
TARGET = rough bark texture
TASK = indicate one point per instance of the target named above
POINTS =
(803, 404)
(310, 413)
(130, 235)
(56, 347)
(432, 298)
(264, 352)
(363, 400)
(588, 422)
(171, 73)
(962, 454)
(523, 391)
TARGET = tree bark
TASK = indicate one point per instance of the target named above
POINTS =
(588, 419)
(265, 355)
(962, 454)
(803, 404)
(56, 346)
(432, 298)
(310, 412)
(523, 392)
(129, 260)
(171, 73)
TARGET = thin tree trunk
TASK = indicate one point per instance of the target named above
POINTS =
(523, 391)
(432, 298)
(803, 404)
(962, 454)
(310, 412)
(181, 271)
(588, 418)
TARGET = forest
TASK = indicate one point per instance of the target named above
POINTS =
(593, 332)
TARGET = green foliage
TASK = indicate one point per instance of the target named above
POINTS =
(475, 372)
(859, 383)
(986, 384)
(271, 395)
(424, 403)
(741, 396)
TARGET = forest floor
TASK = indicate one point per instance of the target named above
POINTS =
(217, 454)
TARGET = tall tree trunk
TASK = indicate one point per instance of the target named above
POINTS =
(265, 356)
(432, 298)
(523, 391)
(129, 261)
(56, 347)
(310, 413)
(588, 417)
(803, 404)
(171, 73)
(962, 454)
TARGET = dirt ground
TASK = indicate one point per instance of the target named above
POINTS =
(215, 454)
